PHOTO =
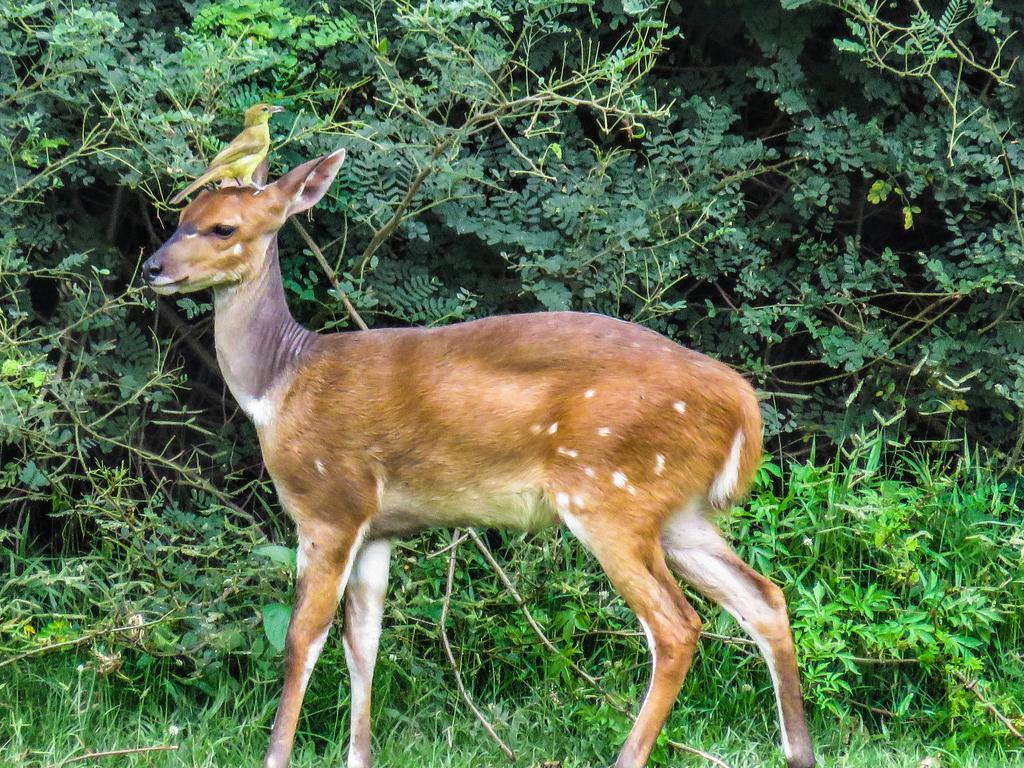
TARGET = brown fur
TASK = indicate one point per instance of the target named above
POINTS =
(515, 421)
(477, 401)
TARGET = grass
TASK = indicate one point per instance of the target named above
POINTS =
(56, 713)
(903, 572)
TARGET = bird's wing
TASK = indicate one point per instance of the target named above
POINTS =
(248, 142)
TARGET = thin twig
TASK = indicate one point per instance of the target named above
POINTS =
(875, 710)
(85, 639)
(451, 656)
(883, 662)
(486, 552)
(171, 317)
(119, 752)
(972, 686)
(728, 639)
(384, 232)
(678, 745)
(330, 275)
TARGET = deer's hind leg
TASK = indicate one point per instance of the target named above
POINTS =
(697, 552)
(635, 564)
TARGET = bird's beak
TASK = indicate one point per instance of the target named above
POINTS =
(274, 110)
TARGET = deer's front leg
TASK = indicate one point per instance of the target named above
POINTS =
(364, 610)
(324, 560)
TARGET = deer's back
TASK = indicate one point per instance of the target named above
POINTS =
(498, 421)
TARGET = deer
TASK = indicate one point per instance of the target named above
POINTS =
(630, 441)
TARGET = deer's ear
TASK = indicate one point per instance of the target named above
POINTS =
(303, 186)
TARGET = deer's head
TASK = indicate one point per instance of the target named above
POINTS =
(223, 234)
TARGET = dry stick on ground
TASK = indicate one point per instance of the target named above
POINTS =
(119, 752)
(972, 686)
(679, 746)
(85, 639)
(451, 656)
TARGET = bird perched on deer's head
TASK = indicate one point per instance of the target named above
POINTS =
(239, 159)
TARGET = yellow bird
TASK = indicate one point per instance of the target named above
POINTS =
(239, 159)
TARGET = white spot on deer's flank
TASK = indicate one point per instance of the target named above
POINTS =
(553, 428)
(659, 464)
(589, 472)
(589, 393)
(562, 503)
(320, 467)
(618, 479)
(568, 452)
(536, 428)
(578, 501)
(680, 406)
(604, 431)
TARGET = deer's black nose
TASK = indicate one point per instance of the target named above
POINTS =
(151, 269)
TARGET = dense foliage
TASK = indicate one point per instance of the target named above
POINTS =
(824, 194)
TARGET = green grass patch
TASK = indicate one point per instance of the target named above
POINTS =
(904, 576)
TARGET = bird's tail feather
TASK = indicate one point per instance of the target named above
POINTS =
(210, 175)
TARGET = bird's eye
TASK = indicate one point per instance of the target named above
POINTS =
(223, 231)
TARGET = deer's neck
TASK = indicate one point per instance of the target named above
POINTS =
(259, 344)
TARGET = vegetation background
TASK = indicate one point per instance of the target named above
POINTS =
(825, 194)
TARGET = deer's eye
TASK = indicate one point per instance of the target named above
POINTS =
(222, 231)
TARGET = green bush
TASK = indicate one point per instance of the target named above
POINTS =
(823, 194)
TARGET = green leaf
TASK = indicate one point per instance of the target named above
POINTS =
(848, 46)
(275, 623)
(32, 476)
(908, 215)
(286, 556)
(879, 192)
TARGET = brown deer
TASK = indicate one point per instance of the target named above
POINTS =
(521, 421)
